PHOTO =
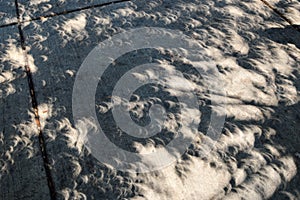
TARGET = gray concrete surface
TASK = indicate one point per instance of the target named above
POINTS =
(257, 53)
(35, 9)
(22, 173)
(7, 12)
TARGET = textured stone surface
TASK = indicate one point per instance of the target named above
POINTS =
(7, 12)
(260, 67)
(22, 174)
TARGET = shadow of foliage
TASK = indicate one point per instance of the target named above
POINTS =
(255, 154)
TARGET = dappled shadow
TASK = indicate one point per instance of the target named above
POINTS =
(22, 174)
(291, 9)
(35, 9)
(7, 12)
(255, 155)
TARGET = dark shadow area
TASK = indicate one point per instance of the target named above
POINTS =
(255, 156)
(286, 35)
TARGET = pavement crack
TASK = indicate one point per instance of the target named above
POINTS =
(76, 10)
(9, 24)
(41, 138)
(281, 15)
(60, 13)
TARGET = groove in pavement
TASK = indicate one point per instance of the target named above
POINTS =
(41, 138)
(63, 13)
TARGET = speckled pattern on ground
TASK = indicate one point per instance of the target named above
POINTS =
(7, 12)
(22, 173)
(289, 8)
(256, 51)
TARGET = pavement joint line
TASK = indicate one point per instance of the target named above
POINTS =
(76, 10)
(281, 15)
(42, 143)
(9, 24)
(63, 12)
(121, 1)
